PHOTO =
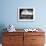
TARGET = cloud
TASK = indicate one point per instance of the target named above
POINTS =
(26, 12)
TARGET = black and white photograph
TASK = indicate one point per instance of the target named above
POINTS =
(26, 14)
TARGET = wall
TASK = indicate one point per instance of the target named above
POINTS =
(9, 13)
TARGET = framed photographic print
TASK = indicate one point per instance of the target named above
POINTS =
(26, 14)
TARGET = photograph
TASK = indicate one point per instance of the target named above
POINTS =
(26, 14)
(22, 22)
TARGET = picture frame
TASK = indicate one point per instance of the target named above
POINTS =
(26, 14)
